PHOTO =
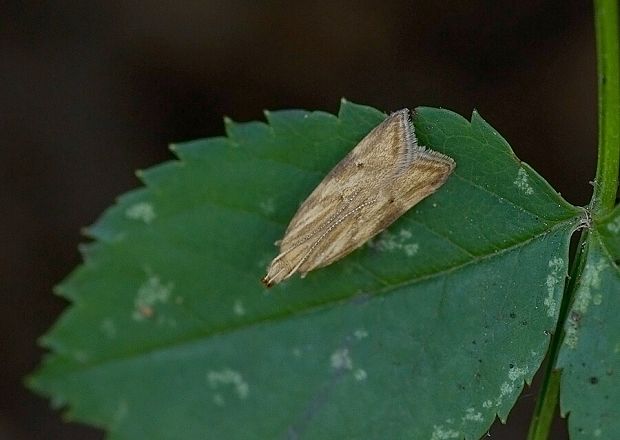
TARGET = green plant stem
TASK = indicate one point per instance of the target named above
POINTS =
(608, 58)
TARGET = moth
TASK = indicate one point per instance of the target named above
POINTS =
(378, 181)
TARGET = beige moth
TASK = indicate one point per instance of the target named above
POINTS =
(378, 181)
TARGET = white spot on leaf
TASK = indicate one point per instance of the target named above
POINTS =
(360, 333)
(218, 399)
(341, 360)
(142, 211)
(471, 415)
(442, 433)
(556, 265)
(228, 377)
(522, 182)
(597, 299)
(238, 308)
(505, 389)
(411, 249)
(405, 234)
(515, 378)
(516, 373)
(390, 242)
(590, 280)
(150, 293)
(360, 374)
(267, 206)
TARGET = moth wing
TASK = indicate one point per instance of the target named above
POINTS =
(314, 215)
(356, 227)
(374, 160)
(388, 147)
(426, 173)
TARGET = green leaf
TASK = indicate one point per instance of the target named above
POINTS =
(590, 355)
(427, 332)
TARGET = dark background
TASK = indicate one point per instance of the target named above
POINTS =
(91, 91)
